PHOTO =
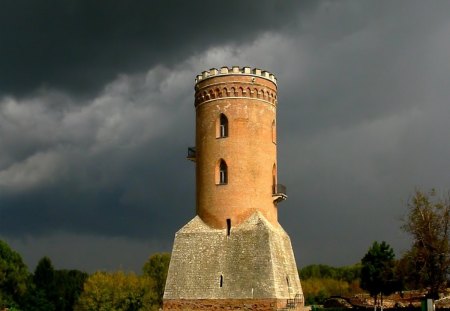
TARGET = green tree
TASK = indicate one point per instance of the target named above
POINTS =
(69, 285)
(428, 222)
(44, 278)
(378, 271)
(56, 290)
(36, 300)
(117, 292)
(156, 268)
(13, 276)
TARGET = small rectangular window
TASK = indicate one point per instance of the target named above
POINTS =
(228, 226)
(221, 281)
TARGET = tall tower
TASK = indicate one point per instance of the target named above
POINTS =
(234, 253)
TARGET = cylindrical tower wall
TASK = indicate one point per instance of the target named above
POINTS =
(236, 154)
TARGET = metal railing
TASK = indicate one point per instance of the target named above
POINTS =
(293, 303)
(279, 189)
(279, 193)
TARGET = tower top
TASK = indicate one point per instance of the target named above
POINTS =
(235, 70)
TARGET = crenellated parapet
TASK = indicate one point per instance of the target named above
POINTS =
(235, 82)
(236, 70)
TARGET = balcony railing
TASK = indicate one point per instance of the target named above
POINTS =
(279, 193)
(192, 154)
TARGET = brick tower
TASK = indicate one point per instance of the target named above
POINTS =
(234, 254)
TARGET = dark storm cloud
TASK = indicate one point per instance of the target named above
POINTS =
(362, 116)
(369, 107)
(79, 45)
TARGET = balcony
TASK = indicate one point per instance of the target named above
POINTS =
(192, 153)
(279, 193)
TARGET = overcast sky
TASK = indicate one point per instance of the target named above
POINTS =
(97, 112)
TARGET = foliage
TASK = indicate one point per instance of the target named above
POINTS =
(346, 273)
(319, 282)
(13, 276)
(36, 300)
(317, 290)
(117, 292)
(406, 273)
(378, 270)
(54, 290)
(428, 223)
(156, 268)
(44, 280)
(69, 285)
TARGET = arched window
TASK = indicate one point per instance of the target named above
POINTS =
(222, 126)
(222, 173)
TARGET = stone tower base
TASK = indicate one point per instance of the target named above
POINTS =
(251, 267)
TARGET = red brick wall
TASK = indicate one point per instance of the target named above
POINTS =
(249, 103)
(225, 304)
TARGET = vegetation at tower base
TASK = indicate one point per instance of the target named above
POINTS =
(427, 222)
(319, 282)
(156, 268)
(378, 271)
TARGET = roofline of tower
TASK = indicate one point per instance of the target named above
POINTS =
(236, 70)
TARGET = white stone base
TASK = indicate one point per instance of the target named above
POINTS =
(255, 261)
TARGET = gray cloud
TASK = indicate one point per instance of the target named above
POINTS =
(91, 166)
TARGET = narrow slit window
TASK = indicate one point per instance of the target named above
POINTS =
(274, 178)
(228, 226)
(221, 281)
(287, 280)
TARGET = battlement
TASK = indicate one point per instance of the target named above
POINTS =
(235, 70)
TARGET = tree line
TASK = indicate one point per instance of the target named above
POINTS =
(48, 289)
(424, 266)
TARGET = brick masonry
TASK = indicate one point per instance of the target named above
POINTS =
(224, 304)
(249, 103)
